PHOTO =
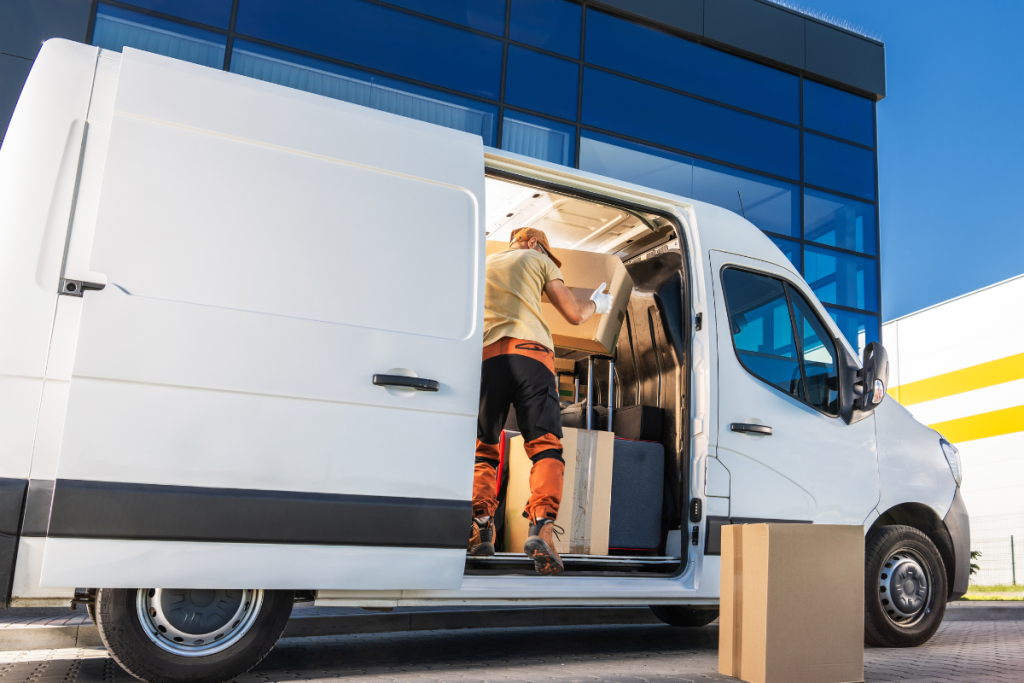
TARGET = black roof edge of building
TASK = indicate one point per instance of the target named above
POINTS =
(770, 33)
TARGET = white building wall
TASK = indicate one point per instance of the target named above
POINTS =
(959, 368)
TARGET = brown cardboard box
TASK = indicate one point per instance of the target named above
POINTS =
(792, 605)
(585, 511)
(584, 271)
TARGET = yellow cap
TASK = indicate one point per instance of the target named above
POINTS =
(526, 234)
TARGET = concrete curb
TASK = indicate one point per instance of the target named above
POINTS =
(86, 635)
(977, 610)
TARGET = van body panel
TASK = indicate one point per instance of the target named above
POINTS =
(38, 172)
(814, 467)
(119, 563)
(267, 253)
(911, 465)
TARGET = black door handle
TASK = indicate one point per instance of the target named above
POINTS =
(417, 383)
(750, 428)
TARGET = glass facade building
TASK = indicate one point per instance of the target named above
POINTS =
(576, 84)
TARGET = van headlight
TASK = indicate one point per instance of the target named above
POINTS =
(953, 458)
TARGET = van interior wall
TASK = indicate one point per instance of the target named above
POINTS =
(650, 364)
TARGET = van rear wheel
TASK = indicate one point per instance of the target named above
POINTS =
(201, 636)
(685, 617)
(904, 587)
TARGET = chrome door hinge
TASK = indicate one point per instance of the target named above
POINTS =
(77, 287)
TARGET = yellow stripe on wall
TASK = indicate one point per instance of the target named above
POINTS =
(996, 423)
(957, 382)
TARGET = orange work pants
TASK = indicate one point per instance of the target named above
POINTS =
(519, 373)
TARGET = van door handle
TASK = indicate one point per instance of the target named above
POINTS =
(748, 428)
(417, 383)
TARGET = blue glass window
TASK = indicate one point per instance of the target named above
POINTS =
(747, 84)
(368, 90)
(642, 111)
(381, 38)
(818, 354)
(839, 166)
(483, 15)
(117, 28)
(637, 164)
(860, 329)
(842, 279)
(541, 83)
(548, 24)
(762, 329)
(839, 113)
(772, 205)
(788, 247)
(213, 12)
(643, 52)
(839, 222)
(539, 138)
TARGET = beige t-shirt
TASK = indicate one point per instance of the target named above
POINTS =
(512, 306)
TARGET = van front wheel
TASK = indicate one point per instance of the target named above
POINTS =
(163, 635)
(904, 587)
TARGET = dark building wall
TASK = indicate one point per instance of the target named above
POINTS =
(755, 28)
(24, 25)
(771, 33)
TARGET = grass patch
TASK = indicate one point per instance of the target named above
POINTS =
(987, 597)
(997, 588)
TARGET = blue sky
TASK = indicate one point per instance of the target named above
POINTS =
(951, 144)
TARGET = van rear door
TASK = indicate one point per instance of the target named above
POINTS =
(268, 253)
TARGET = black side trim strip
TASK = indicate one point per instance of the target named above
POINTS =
(97, 509)
(713, 537)
(37, 507)
(12, 497)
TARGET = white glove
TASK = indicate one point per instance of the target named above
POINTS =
(602, 302)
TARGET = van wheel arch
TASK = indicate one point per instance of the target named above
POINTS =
(925, 520)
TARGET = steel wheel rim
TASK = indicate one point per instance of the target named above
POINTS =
(905, 587)
(197, 623)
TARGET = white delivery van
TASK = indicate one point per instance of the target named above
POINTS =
(200, 275)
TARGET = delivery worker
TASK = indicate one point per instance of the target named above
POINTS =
(519, 369)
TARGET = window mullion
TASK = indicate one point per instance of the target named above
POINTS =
(798, 342)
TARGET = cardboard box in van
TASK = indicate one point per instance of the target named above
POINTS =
(584, 271)
(585, 511)
(792, 603)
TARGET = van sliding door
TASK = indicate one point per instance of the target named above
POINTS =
(267, 253)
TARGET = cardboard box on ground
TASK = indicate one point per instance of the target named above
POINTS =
(584, 271)
(585, 511)
(792, 603)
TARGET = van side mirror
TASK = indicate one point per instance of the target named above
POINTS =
(862, 389)
(874, 377)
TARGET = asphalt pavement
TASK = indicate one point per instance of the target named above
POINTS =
(961, 651)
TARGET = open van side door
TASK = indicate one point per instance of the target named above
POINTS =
(278, 385)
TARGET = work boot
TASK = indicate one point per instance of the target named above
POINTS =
(481, 538)
(540, 547)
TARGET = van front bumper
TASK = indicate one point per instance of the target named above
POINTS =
(958, 524)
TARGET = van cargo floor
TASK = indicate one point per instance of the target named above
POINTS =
(518, 562)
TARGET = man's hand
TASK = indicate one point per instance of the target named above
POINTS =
(574, 309)
(602, 302)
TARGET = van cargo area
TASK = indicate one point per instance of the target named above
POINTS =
(641, 379)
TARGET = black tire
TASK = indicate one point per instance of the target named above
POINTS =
(900, 611)
(684, 617)
(128, 642)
